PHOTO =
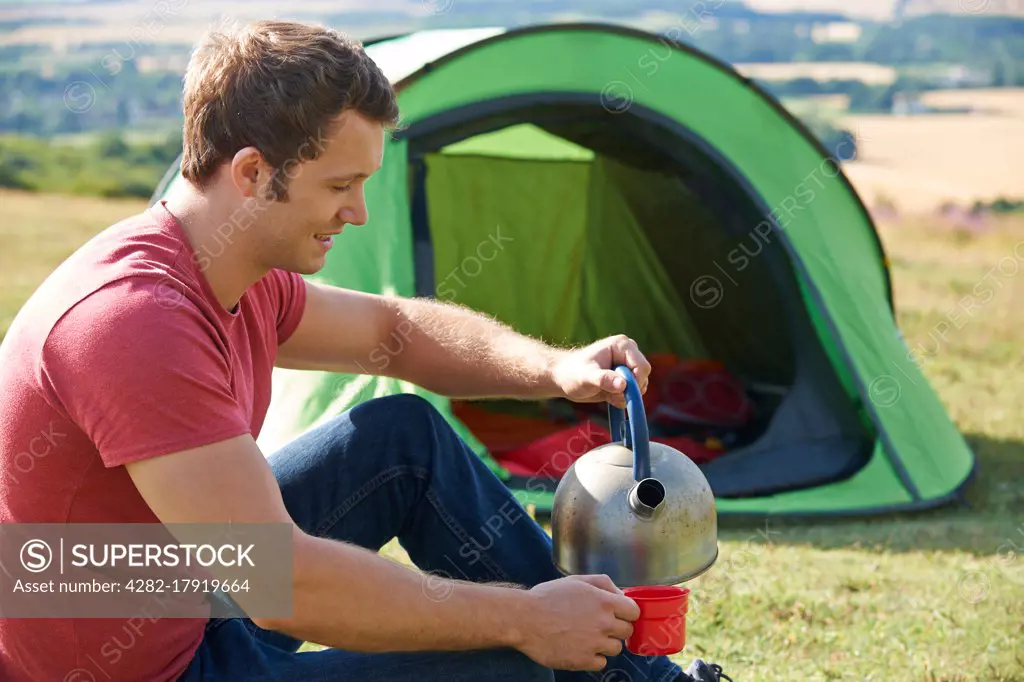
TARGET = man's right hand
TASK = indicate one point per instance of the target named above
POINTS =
(577, 622)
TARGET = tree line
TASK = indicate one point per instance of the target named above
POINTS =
(105, 164)
(87, 94)
(106, 98)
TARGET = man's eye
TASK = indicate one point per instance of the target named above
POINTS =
(343, 189)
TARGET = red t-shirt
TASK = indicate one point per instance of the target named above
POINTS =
(122, 354)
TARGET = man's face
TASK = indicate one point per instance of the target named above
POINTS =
(324, 194)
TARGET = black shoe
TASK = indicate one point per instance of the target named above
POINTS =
(699, 671)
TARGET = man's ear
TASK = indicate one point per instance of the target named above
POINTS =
(249, 171)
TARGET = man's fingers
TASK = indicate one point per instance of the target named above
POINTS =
(616, 399)
(601, 581)
(611, 647)
(630, 355)
(642, 370)
(626, 352)
(610, 382)
(621, 629)
(626, 608)
(623, 607)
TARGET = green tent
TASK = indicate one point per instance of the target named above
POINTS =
(577, 181)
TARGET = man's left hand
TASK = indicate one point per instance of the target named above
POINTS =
(588, 375)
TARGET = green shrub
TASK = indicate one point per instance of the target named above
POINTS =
(107, 164)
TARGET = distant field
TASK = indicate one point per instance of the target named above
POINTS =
(883, 9)
(38, 231)
(921, 161)
(872, 74)
(996, 101)
(179, 21)
(830, 107)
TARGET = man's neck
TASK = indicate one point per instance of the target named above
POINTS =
(221, 250)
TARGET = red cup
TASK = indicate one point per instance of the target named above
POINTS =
(661, 628)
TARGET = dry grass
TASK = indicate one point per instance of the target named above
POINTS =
(997, 101)
(872, 74)
(38, 231)
(919, 162)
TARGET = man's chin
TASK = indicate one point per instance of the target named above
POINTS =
(311, 268)
(308, 266)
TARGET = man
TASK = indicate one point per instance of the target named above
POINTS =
(148, 354)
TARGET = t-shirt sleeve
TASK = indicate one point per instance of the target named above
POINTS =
(140, 379)
(287, 291)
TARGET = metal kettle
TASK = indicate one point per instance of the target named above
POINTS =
(640, 512)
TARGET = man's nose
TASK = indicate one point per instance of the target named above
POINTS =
(355, 215)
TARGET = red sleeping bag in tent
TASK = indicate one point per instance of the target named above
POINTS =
(552, 455)
(680, 394)
(696, 392)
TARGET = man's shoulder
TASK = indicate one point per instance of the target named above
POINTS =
(148, 299)
(143, 245)
(138, 242)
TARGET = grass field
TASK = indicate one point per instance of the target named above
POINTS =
(918, 162)
(930, 597)
(38, 232)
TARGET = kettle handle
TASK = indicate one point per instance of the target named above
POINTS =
(636, 437)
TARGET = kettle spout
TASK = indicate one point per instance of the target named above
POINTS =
(645, 496)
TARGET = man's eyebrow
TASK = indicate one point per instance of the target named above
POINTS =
(347, 178)
(350, 177)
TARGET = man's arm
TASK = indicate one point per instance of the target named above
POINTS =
(455, 351)
(450, 350)
(351, 598)
(158, 401)
(344, 596)
(339, 331)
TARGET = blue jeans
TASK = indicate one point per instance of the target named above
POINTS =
(393, 467)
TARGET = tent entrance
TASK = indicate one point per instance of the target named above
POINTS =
(570, 223)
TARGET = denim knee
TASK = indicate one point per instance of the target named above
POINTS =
(403, 405)
(409, 423)
(407, 413)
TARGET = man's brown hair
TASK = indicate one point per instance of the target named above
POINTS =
(275, 86)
